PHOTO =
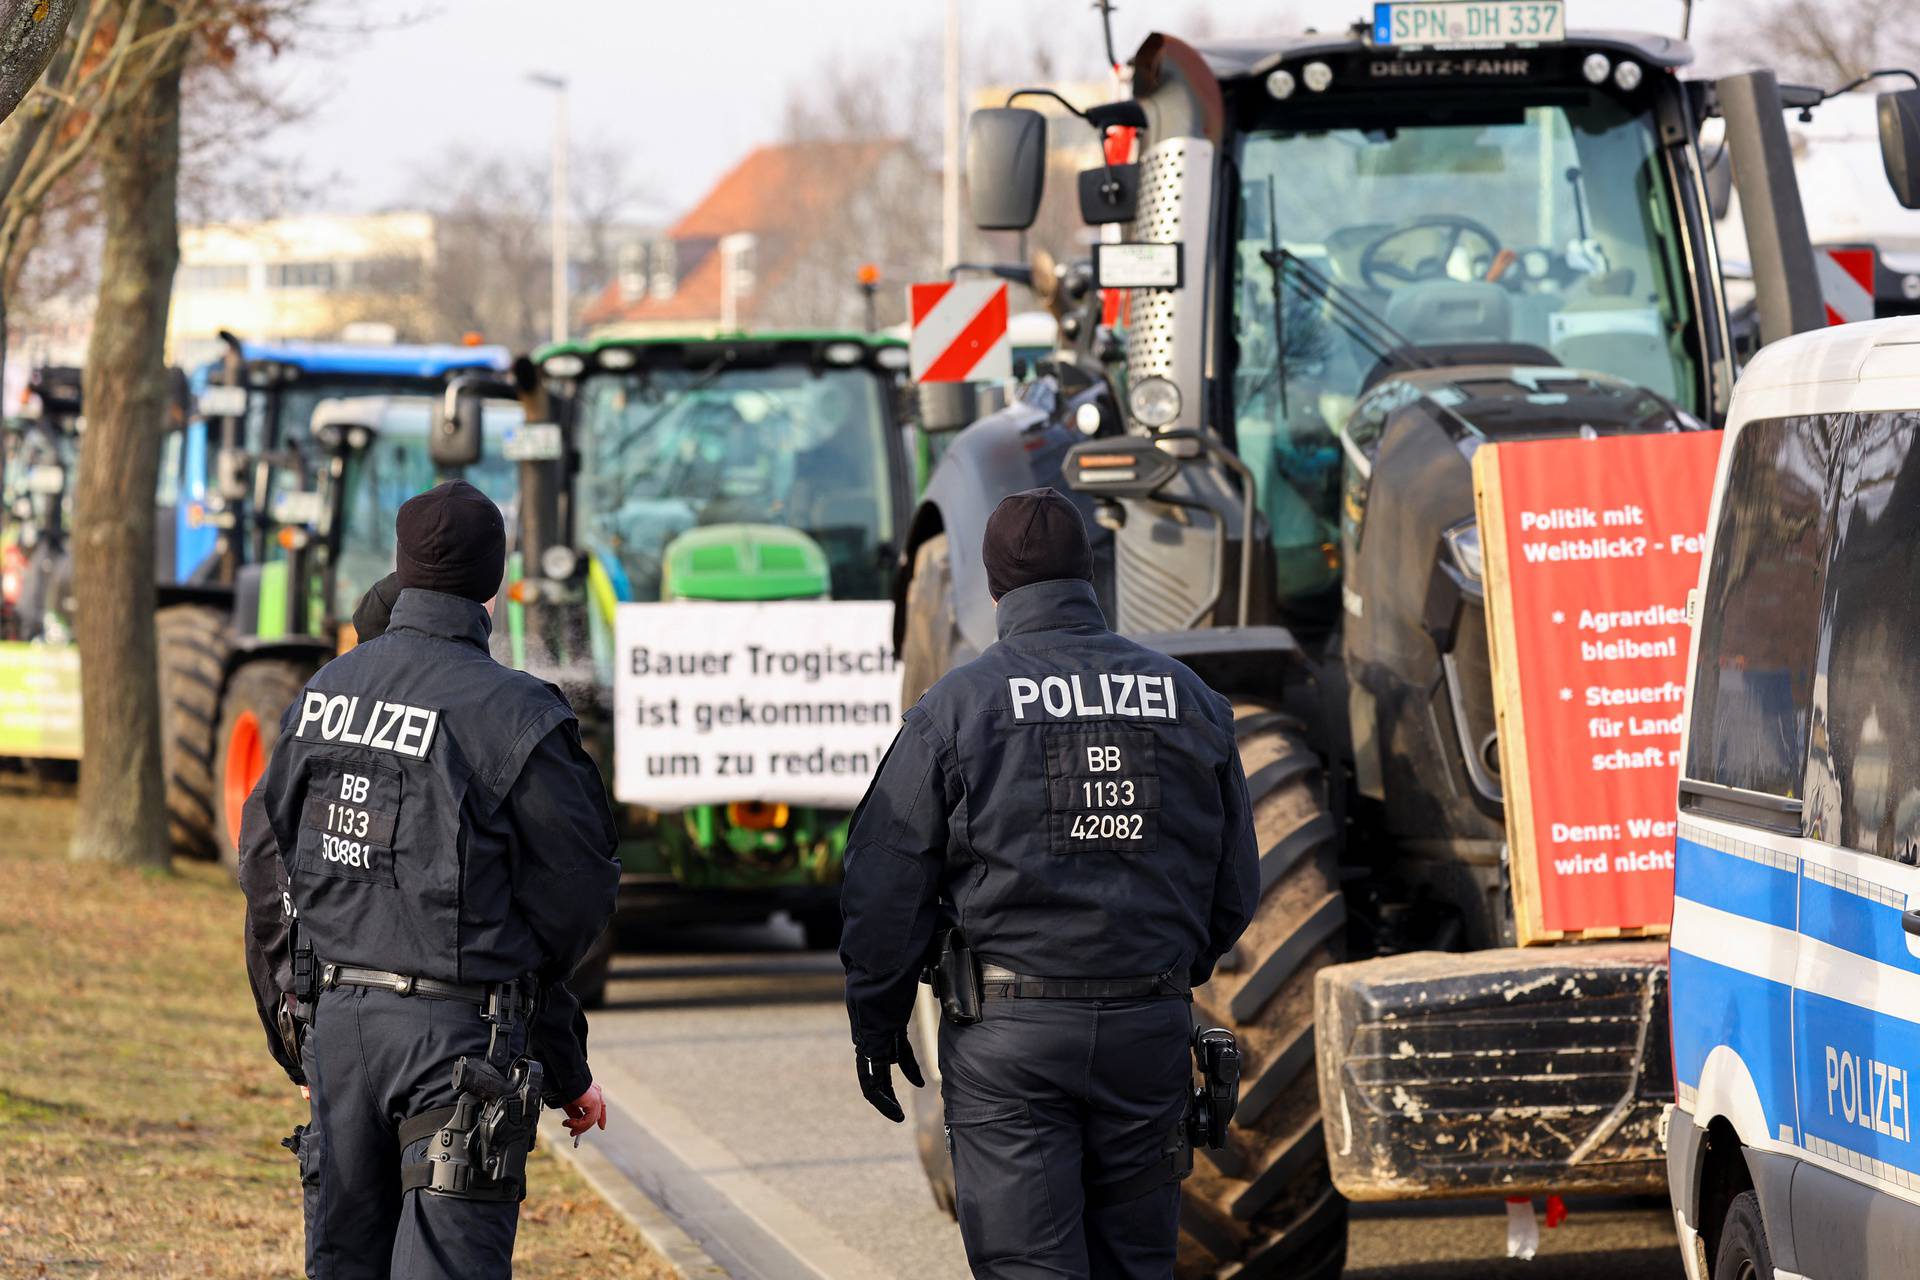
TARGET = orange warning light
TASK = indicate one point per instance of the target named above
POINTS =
(472, 338)
(869, 274)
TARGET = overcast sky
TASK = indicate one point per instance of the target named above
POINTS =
(689, 87)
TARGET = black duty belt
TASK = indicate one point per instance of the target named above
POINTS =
(997, 983)
(342, 975)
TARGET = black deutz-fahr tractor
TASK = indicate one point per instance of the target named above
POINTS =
(1352, 263)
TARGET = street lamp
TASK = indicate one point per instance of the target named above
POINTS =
(559, 233)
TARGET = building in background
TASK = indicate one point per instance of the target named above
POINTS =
(779, 242)
(408, 276)
(309, 276)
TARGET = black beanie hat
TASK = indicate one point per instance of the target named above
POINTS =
(1033, 537)
(451, 538)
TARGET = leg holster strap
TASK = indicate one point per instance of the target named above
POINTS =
(477, 1148)
(1175, 1163)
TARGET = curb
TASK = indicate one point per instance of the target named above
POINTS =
(678, 1250)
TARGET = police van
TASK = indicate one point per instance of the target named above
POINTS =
(1796, 922)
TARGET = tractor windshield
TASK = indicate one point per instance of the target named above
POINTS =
(665, 450)
(395, 467)
(1530, 235)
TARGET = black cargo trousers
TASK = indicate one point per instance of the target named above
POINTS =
(373, 1059)
(1050, 1104)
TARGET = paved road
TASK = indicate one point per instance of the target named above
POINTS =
(727, 1059)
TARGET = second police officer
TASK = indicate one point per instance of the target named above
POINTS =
(1073, 802)
(426, 859)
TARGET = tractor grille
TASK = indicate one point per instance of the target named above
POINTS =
(1150, 328)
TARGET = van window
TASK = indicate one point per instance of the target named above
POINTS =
(1753, 689)
(1863, 778)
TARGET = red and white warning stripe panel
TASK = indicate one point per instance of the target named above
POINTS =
(959, 331)
(1846, 283)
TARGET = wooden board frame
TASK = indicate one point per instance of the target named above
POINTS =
(1510, 722)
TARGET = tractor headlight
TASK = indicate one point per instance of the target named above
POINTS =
(1154, 402)
(1463, 546)
(558, 562)
(1595, 68)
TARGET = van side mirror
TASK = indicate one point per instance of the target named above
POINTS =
(1006, 167)
(1900, 144)
(455, 440)
(1719, 179)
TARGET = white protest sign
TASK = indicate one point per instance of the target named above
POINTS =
(788, 702)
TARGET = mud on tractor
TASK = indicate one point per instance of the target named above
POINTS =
(1386, 255)
(759, 467)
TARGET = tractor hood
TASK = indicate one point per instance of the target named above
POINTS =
(1475, 404)
(744, 562)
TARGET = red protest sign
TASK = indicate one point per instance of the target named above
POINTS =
(1590, 548)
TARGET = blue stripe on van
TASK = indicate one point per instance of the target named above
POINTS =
(1857, 1070)
(1734, 884)
(1854, 923)
(1713, 1006)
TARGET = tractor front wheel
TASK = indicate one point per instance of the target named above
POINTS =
(193, 643)
(1266, 1205)
(257, 695)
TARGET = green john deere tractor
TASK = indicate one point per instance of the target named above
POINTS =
(768, 467)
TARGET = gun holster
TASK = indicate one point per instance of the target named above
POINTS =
(295, 1014)
(477, 1148)
(1210, 1110)
(955, 974)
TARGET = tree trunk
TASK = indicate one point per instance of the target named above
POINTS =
(122, 814)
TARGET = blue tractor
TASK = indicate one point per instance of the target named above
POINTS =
(256, 504)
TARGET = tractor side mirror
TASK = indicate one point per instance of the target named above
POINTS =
(1006, 167)
(1900, 144)
(455, 441)
(946, 406)
(1719, 178)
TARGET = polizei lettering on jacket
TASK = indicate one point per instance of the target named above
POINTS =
(1081, 697)
(366, 722)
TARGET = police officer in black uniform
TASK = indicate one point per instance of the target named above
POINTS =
(1074, 804)
(426, 859)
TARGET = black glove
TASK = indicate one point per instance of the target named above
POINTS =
(876, 1077)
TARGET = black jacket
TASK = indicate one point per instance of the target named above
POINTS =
(1072, 800)
(431, 812)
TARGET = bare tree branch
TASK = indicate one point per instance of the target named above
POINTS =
(31, 33)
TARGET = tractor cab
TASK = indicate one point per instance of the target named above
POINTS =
(741, 468)
(220, 474)
(762, 468)
(38, 452)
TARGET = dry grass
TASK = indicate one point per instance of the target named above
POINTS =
(140, 1116)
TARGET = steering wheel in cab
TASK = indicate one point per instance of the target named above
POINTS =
(1383, 271)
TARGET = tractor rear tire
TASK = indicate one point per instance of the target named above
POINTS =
(931, 643)
(257, 695)
(193, 647)
(1266, 1206)
(931, 646)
